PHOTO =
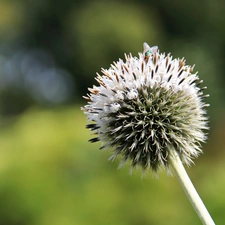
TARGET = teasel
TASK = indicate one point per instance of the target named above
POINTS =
(150, 110)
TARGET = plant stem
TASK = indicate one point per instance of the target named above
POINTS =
(189, 189)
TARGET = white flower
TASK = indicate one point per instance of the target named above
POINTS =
(146, 105)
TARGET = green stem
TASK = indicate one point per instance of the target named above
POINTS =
(189, 189)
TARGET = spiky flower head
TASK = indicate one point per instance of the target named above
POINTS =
(146, 107)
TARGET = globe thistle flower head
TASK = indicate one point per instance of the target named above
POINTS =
(145, 107)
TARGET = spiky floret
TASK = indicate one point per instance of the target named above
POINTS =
(146, 106)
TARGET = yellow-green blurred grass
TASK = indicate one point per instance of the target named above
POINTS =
(50, 174)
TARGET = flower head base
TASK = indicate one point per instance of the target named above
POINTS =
(146, 106)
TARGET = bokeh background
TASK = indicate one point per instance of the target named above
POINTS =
(49, 53)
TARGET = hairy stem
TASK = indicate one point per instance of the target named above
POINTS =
(189, 189)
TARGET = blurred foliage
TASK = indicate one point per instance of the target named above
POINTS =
(49, 53)
(50, 174)
(80, 37)
(103, 29)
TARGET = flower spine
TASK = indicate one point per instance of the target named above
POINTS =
(145, 106)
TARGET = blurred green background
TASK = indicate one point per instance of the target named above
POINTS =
(49, 53)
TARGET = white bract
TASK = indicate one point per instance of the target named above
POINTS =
(146, 105)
